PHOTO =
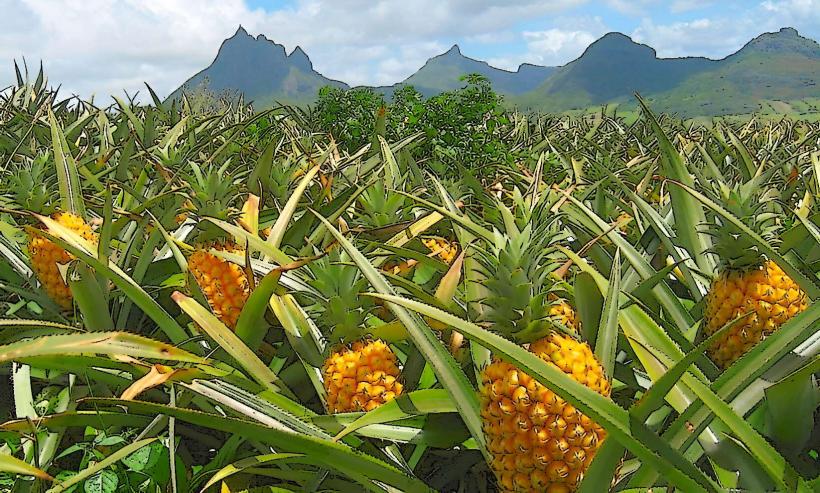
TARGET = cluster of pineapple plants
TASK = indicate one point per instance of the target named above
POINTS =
(225, 300)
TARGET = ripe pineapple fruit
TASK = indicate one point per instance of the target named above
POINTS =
(46, 257)
(359, 373)
(747, 282)
(225, 284)
(443, 249)
(538, 442)
(361, 376)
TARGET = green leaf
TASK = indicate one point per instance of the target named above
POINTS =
(97, 343)
(606, 344)
(13, 465)
(360, 467)
(589, 311)
(251, 462)
(103, 482)
(278, 229)
(71, 195)
(790, 408)
(414, 403)
(231, 343)
(689, 215)
(89, 297)
(251, 324)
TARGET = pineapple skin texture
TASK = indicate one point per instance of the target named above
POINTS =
(223, 283)
(538, 441)
(446, 251)
(46, 255)
(562, 312)
(361, 377)
(772, 297)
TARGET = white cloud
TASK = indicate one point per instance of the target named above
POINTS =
(793, 10)
(679, 6)
(704, 37)
(552, 47)
(104, 46)
(718, 37)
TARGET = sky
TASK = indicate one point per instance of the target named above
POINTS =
(98, 48)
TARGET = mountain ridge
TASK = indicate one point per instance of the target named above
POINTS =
(781, 65)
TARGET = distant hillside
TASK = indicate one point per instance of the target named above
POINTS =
(781, 66)
(262, 71)
(611, 69)
(442, 73)
(774, 70)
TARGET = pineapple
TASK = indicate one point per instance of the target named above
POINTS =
(747, 283)
(30, 188)
(443, 249)
(538, 441)
(361, 376)
(359, 373)
(225, 284)
(46, 257)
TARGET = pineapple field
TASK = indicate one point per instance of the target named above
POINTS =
(430, 294)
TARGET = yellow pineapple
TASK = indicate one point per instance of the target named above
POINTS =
(443, 249)
(538, 441)
(766, 291)
(361, 377)
(562, 312)
(748, 284)
(359, 374)
(224, 283)
(46, 257)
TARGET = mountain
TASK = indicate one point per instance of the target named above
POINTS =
(261, 70)
(443, 72)
(781, 66)
(774, 70)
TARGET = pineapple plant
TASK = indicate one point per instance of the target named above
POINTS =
(748, 284)
(538, 441)
(30, 191)
(225, 284)
(359, 373)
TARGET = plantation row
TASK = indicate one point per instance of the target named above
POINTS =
(426, 295)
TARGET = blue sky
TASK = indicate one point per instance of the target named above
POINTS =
(102, 47)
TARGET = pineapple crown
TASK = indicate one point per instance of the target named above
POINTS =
(214, 194)
(31, 187)
(383, 207)
(518, 270)
(747, 204)
(340, 309)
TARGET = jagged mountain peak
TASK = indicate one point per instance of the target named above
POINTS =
(260, 69)
(300, 58)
